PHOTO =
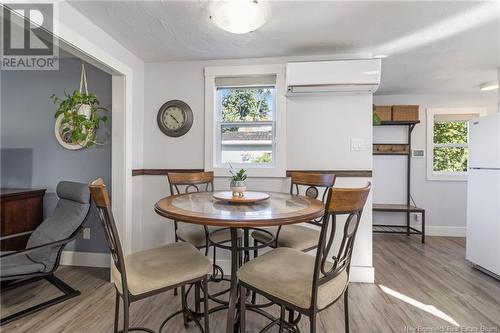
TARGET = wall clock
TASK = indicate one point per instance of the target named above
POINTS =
(175, 118)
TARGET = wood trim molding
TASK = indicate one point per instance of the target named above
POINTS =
(338, 173)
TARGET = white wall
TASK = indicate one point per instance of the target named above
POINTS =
(444, 201)
(78, 30)
(319, 130)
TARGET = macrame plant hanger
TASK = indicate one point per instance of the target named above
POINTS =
(84, 109)
(83, 80)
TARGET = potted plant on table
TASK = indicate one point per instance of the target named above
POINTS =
(238, 184)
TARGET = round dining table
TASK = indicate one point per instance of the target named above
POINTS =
(203, 209)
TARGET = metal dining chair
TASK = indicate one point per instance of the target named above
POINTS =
(186, 182)
(299, 237)
(309, 284)
(148, 273)
(40, 259)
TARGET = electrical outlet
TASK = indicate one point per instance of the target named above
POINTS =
(86, 233)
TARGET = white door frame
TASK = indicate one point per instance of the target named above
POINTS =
(121, 144)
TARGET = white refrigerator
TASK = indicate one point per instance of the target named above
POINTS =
(483, 194)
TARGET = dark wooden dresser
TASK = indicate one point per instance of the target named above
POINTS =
(21, 211)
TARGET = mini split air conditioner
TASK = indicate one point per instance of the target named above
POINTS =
(341, 76)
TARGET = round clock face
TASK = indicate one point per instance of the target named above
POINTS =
(175, 118)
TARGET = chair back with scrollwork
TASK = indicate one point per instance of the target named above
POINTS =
(314, 185)
(100, 197)
(187, 182)
(341, 201)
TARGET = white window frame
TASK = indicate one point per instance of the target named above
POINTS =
(212, 135)
(431, 112)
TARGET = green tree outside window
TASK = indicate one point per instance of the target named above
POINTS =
(450, 146)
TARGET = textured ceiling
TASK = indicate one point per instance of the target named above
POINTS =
(433, 46)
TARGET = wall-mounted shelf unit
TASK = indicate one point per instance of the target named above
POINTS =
(403, 149)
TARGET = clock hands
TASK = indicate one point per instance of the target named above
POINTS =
(175, 119)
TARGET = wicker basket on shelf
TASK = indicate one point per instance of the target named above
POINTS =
(404, 112)
(384, 112)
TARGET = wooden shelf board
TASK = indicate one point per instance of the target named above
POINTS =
(396, 208)
(398, 122)
(389, 153)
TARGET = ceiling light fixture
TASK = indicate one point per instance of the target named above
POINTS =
(491, 85)
(380, 56)
(239, 16)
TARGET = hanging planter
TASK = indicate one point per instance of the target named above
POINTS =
(78, 117)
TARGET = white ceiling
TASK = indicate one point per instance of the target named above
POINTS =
(433, 47)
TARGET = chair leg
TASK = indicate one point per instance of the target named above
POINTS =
(117, 312)
(197, 297)
(282, 319)
(291, 314)
(346, 310)
(242, 310)
(184, 307)
(255, 255)
(68, 292)
(214, 263)
(125, 314)
(312, 322)
(205, 306)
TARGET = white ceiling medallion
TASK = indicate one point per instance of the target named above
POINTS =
(239, 16)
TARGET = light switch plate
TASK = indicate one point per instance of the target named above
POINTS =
(358, 144)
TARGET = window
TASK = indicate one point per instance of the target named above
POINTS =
(246, 125)
(245, 120)
(448, 138)
(450, 149)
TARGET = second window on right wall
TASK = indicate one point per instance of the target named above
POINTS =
(448, 143)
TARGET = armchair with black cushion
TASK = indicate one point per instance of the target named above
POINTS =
(40, 259)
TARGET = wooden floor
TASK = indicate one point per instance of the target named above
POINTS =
(418, 286)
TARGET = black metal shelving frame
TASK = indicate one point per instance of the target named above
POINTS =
(401, 208)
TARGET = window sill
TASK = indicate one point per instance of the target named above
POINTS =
(447, 178)
(252, 171)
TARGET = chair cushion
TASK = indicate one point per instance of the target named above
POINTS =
(195, 234)
(66, 218)
(287, 274)
(17, 265)
(295, 236)
(162, 267)
(78, 192)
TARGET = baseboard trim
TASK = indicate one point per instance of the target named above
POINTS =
(87, 259)
(447, 231)
(364, 274)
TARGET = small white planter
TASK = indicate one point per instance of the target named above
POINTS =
(238, 188)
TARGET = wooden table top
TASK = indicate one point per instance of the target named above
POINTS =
(203, 208)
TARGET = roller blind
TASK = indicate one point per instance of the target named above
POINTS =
(238, 81)
(455, 117)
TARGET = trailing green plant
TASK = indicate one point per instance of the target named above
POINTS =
(238, 176)
(78, 128)
(376, 119)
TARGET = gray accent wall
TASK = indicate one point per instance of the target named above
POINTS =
(30, 154)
